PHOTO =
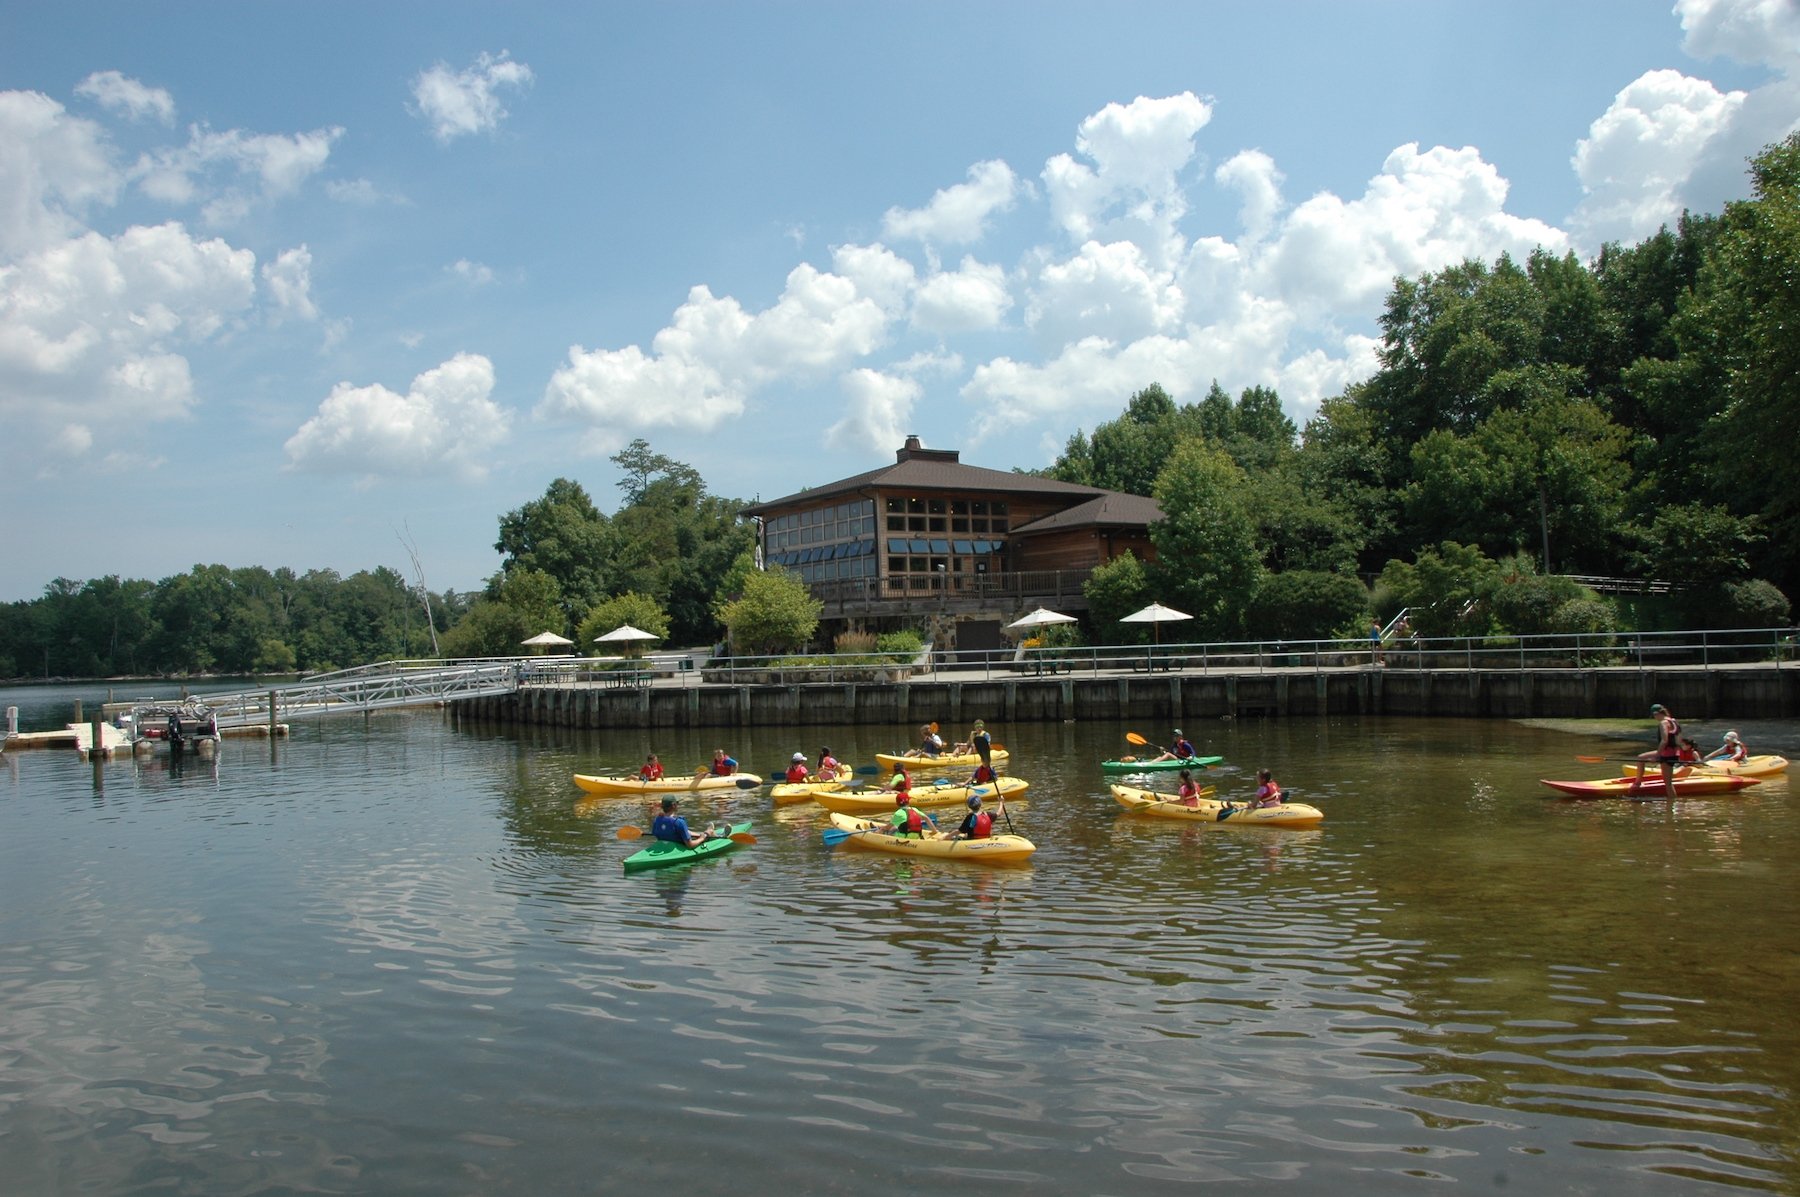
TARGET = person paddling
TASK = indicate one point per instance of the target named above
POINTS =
(672, 828)
(1188, 793)
(977, 824)
(796, 770)
(907, 819)
(1733, 751)
(1182, 750)
(652, 769)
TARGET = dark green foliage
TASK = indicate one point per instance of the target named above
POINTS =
(1307, 604)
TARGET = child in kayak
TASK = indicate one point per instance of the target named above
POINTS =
(1188, 794)
(908, 821)
(977, 824)
(1268, 793)
(652, 770)
(829, 766)
(796, 770)
(1182, 750)
(722, 765)
(1733, 750)
(672, 828)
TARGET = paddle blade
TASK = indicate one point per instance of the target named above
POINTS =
(747, 783)
(630, 833)
(836, 835)
(1593, 760)
(1134, 738)
(867, 770)
(741, 837)
(1225, 813)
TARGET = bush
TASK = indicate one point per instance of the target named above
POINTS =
(1754, 604)
(1584, 617)
(906, 643)
(1305, 604)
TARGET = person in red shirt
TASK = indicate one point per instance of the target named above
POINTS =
(652, 770)
(796, 770)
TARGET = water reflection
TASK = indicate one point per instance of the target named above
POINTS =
(402, 957)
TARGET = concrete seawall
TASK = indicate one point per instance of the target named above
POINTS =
(1763, 692)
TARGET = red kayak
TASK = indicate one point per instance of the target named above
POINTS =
(1651, 786)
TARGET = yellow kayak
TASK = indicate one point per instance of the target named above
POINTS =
(785, 792)
(1151, 802)
(874, 834)
(920, 764)
(1750, 766)
(865, 802)
(619, 787)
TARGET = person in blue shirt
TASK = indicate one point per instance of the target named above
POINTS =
(672, 828)
(722, 765)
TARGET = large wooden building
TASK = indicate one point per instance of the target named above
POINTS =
(929, 537)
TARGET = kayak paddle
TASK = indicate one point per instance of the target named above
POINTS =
(635, 833)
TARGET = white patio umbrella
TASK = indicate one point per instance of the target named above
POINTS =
(627, 636)
(546, 640)
(1156, 615)
(626, 632)
(1042, 617)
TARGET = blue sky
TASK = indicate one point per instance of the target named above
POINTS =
(289, 284)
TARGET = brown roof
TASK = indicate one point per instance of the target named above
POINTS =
(917, 469)
(1110, 509)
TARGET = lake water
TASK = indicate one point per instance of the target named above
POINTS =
(398, 956)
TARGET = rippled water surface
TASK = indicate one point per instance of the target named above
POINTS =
(399, 956)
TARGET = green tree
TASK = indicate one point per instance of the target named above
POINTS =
(775, 614)
(564, 536)
(1113, 591)
(1443, 589)
(1209, 559)
(639, 610)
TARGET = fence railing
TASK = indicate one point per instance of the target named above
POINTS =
(1640, 650)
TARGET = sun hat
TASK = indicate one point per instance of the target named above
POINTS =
(1732, 736)
(799, 756)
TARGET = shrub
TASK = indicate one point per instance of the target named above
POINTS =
(1305, 604)
(902, 643)
(1754, 604)
(854, 642)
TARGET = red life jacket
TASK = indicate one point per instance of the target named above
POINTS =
(914, 824)
(796, 772)
(982, 825)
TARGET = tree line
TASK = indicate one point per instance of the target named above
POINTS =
(1631, 416)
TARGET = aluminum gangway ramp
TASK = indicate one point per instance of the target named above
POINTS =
(367, 688)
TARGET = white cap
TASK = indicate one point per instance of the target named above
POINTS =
(799, 756)
(1732, 736)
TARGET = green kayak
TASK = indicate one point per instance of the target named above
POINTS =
(662, 853)
(1129, 766)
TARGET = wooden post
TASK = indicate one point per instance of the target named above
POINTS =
(97, 745)
(77, 718)
(271, 714)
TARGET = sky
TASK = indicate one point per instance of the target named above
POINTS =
(336, 286)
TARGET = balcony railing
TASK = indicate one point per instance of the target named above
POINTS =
(1002, 589)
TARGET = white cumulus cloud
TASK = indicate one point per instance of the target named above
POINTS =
(229, 171)
(1108, 291)
(970, 298)
(1641, 151)
(877, 411)
(957, 215)
(288, 280)
(713, 355)
(1133, 188)
(128, 97)
(458, 103)
(447, 423)
(55, 168)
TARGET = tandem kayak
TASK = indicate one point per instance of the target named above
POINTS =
(785, 792)
(614, 787)
(662, 853)
(874, 834)
(1651, 787)
(915, 764)
(1751, 766)
(864, 802)
(1209, 812)
(1127, 764)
